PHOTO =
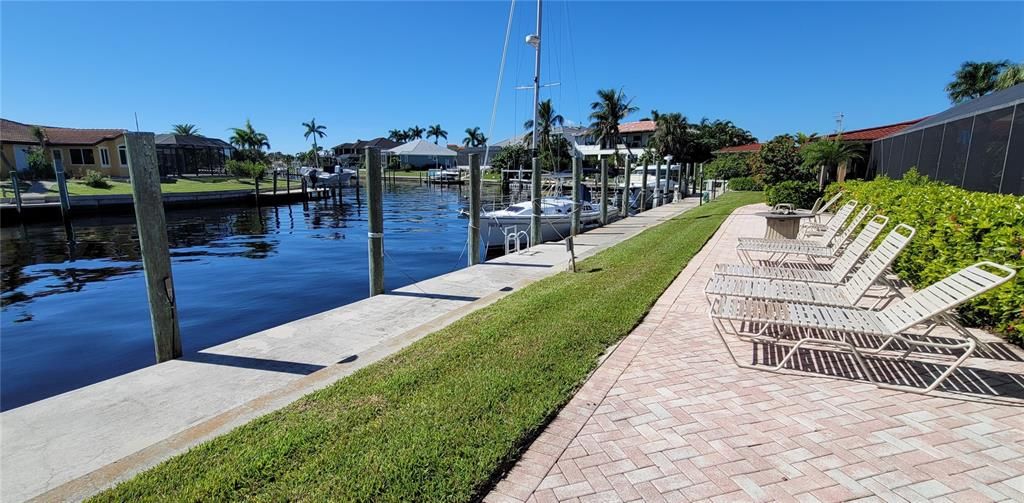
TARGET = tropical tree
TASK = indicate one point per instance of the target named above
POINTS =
(414, 133)
(974, 80)
(185, 129)
(712, 135)
(437, 133)
(40, 135)
(397, 135)
(778, 161)
(514, 156)
(672, 136)
(1011, 76)
(249, 141)
(316, 131)
(547, 120)
(610, 109)
(829, 155)
(474, 138)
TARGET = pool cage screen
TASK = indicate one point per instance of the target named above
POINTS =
(978, 145)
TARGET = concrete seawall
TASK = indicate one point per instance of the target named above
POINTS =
(75, 444)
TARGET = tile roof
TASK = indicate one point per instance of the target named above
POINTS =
(638, 127)
(190, 141)
(750, 147)
(874, 133)
(16, 132)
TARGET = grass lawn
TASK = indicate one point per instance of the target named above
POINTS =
(442, 419)
(181, 185)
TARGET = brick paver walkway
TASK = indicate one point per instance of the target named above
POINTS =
(668, 416)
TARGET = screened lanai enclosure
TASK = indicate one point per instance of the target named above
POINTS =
(977, 145)
(179, 155)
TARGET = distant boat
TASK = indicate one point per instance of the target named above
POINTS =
(340, 177)
(444, 176)
(556, 219)
(636, 178)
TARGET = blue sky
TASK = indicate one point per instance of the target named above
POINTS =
(364, 68)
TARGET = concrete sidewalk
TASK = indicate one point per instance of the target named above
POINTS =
(74, 444)
(669, 417)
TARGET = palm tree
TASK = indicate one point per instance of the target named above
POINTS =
(974, 79)
(547, 120)
(829, 154)
(474, 138)
(40, 135)
(317, 131)
(1011, 76)
(437, 133)
(185, 129)
(248, 139)
(415, 133)
(608, 111)
(397, 135)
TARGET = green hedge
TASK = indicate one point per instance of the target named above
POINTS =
(802, 194)
(955, 228)
(745, 183)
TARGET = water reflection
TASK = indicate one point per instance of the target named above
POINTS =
(74, 315)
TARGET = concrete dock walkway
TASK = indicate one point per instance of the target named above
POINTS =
(75, 444)
(668, 416)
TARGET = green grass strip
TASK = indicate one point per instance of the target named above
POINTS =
(441, 419)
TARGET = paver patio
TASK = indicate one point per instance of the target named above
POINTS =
(669, 417)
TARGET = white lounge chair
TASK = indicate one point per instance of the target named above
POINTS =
(848, 294)
(833, 228)
(780, 249)
(889, 323)
(835, 274)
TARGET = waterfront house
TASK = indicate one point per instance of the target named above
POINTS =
(76, 150)
(423, 154)
(179, 155)
(351, 153)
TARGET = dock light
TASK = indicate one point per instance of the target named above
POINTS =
(533, 40)
(668, 159)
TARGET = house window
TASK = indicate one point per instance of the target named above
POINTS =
(104, 157)
(122, 155)
(82, 156)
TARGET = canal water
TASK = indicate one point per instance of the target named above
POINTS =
(73, 316)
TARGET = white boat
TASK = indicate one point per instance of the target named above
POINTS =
(340, 177)
(636, 178)
(555, 218)
(444, 176)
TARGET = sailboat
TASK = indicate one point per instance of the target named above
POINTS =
(554, 220)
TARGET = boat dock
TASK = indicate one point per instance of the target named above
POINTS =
(126, 424)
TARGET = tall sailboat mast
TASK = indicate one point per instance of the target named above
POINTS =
(534, 40)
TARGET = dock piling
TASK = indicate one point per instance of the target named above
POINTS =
(535, 182)
(375, 208)
(679, 182)
(625, 191)
(16, 185)
(473, 243)
(658, 190)
(156, 259)
(604, 192)
(643, 189)
(577, 199)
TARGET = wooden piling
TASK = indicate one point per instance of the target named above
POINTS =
(658, 191)
(375, 208)
(679, 182)
(577, 199)
(473, 242)
(535, 222)
(152, 229)
(625, 191)
(16, 185)
(643, 189)
(604, 192)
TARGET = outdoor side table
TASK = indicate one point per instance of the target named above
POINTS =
(783, 225)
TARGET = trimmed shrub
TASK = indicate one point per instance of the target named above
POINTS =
(955, 228)
(802, 194)
(39, 167)
(728, 166)
(96, 179)
(745, 183)
(779, 161)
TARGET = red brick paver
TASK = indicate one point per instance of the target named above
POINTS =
(668, 417)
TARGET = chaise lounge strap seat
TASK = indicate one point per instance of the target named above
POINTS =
(931, 303)
(826, 238)
(784, 247)
(837, 273)
(847, 294)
